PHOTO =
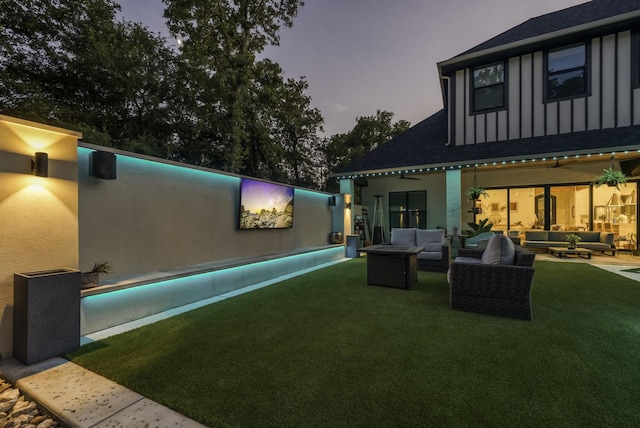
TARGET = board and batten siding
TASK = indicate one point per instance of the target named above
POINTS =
(611, 101)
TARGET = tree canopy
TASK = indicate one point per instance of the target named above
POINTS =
(210, 101)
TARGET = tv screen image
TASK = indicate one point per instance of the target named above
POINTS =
(265, 205)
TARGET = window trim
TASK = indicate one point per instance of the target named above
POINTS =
(586, 67)
(472, 88)
(422, 211)
(635, 59)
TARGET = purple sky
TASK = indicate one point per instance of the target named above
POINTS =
(259, 195)
(359, 56)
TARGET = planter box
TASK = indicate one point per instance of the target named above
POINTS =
(90, 279)
(46, 314)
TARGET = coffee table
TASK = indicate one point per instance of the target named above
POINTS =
(564, 251)
(392, 265)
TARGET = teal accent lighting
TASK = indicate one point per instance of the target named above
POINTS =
(102, 311)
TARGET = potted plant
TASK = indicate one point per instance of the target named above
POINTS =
(475, 192)
(572, 240)
(633, 244)
(478, 228)
(92, 278)
(611, 177)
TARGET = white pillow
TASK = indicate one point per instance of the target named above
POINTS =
(500, 250)
(403, 237)
(430, 239)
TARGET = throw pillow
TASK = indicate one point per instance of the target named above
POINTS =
(500, 250)
(403, 237)
(430, 239)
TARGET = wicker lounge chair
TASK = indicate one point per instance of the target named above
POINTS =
(495, 289)
(478, 241)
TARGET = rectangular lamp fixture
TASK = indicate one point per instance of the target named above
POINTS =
(40, 164)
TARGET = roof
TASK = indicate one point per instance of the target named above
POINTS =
(424, 145)
(562, 27)
(574, 16)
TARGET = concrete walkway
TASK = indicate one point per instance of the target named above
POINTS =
(78, 397)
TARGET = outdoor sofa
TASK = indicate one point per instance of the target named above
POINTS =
(494, 281)
(543, 239)
(435, 256)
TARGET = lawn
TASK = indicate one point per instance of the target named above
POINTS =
(325, 349)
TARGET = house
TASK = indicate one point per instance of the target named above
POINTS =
(533, 115)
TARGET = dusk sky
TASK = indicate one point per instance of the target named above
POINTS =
(359, 56)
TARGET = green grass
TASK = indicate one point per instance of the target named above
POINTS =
(325, 349)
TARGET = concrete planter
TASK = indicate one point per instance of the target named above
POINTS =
(90, 279)
(46, 314)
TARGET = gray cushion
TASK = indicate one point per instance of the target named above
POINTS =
(589, 236)
(467, 260)
(500, 250)
(403, 237)
(534, 235)
(430, 255)
(560, 236)
(430, 239)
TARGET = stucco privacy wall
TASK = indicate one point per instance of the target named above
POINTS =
(38, 215)
(158, 215)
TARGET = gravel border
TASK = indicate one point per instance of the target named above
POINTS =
(17, 411)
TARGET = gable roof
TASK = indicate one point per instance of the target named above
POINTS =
(564, 26)
(574, 16)
(425, 146)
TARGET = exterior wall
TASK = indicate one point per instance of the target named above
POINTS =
(157, 215)
(433, 183)
(612, 101)
(38, 215)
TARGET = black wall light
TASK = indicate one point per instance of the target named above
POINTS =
(40, 164)
(102, 165)
(332, 201)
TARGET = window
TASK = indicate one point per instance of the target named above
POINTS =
(408, 209)
(488, 87)
(567, 72)
(635, 60)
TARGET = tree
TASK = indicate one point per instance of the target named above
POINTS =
(69, 63)
(220, 41)
(368, 133)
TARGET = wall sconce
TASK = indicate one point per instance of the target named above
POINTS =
(332, 201)
(40, 164)
(347, 201)
(102, 165)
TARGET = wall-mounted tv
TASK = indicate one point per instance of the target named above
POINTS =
(265, 205)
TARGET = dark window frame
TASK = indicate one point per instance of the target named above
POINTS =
(635, 59)
(409, 204)
(475, 89)
(586, 90)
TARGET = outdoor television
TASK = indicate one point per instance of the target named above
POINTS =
(265, 205)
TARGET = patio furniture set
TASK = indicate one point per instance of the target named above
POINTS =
(494, 280)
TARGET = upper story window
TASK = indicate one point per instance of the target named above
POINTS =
(635, 61)
(567, 71)
(488, 87)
